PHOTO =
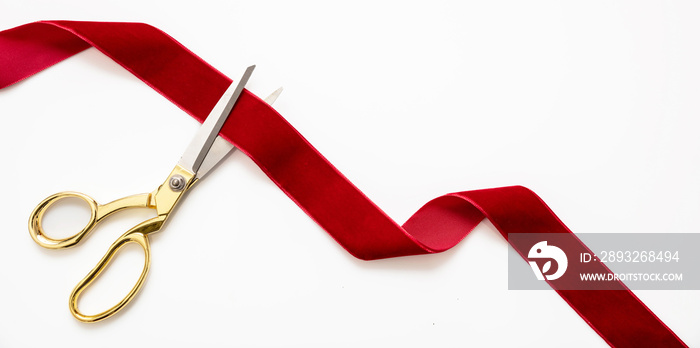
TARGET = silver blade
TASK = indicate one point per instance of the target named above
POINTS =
(222, 148)
(273, 96)
(201, 144)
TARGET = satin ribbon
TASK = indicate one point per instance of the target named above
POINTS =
(312, 182)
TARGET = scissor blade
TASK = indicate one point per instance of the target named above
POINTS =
(273, 96)
(198, 149)
(222, 148)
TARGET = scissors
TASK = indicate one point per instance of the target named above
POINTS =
(204, 152)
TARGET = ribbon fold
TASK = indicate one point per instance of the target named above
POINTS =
(309, 179)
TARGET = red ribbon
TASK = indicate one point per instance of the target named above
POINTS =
(319, 189)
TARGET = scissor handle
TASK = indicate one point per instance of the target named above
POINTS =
(138, 235)
(97, 213)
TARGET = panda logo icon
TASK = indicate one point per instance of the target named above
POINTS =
(543, 251)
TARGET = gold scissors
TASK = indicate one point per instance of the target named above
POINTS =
(204, 152)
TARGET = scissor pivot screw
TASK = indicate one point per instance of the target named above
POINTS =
(177, 182)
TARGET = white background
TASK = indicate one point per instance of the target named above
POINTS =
(592, 105)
